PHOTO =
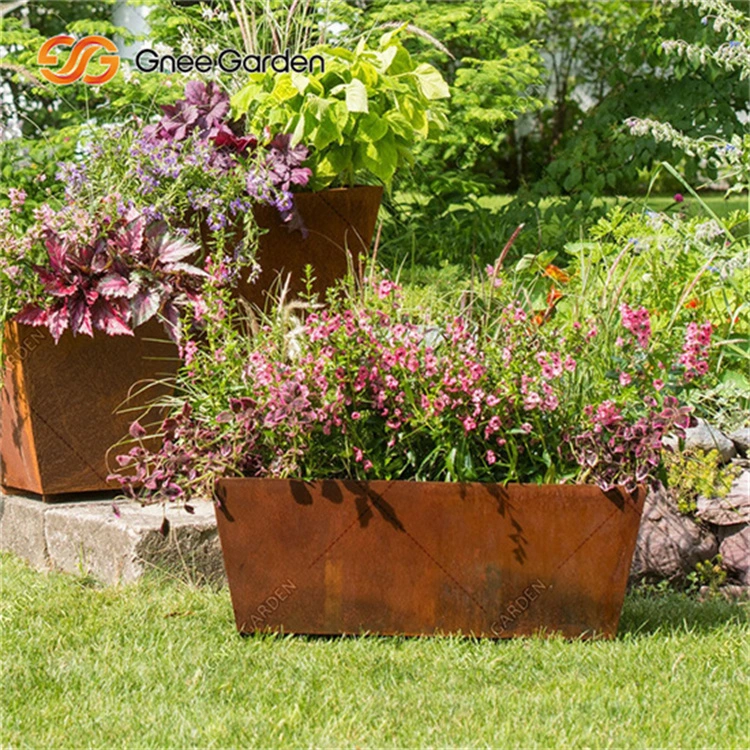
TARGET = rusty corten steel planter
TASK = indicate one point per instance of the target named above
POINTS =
(340, 224)
(58, 404)
(421, 558)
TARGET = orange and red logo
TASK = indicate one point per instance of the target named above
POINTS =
(80, 56)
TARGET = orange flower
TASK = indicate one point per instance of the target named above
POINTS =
(539, 318)
(693, 303)
(557, 274)
(553, 295)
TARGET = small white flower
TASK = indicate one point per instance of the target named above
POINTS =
(162, 49)
(207, 13)
(223, 16)
(211, 49)
(186, 46)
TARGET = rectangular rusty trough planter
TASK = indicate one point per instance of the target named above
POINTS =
(59, 404)
(423, 558)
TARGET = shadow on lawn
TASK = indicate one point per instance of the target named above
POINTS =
(644, 614)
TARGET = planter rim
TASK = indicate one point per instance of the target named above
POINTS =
(338, 188)
(510, 485)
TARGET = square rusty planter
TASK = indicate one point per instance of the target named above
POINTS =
(340, 224)
(59, 404)
(422, 558)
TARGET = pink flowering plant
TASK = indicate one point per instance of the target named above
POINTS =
(371, 387)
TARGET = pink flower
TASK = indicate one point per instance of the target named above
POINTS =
(189, 351)
(356, 415)
(358, 454)
(526, 427)
(658, 384)
(679, 197)
(625, 379)
(531, 401)
(469, 424)
(694, 355)
(385, 288)
(491, 457)
(17, 198)
(367, 465)
(638, 323)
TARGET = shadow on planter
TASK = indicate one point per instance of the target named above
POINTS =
(423, 558)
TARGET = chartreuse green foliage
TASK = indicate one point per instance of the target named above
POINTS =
(160, 665)
(361, 116)
(691, 474)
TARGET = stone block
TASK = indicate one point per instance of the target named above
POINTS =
(22, 529)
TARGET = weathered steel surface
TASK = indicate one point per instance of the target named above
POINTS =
(340, 225)
(58, 404)
(419, 558)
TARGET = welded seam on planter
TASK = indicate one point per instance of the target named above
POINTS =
(419, 546)
(349, 527)
(447, 573)
(345, 219)
(65, 442)
(343, 533)
(578, 548)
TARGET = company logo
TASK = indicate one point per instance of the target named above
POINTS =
(80, 56)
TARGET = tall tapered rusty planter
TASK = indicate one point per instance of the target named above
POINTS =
(59, 404)
(339, 226)
(421, 558)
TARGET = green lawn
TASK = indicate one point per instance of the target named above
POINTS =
(160, 665)
(717, 202)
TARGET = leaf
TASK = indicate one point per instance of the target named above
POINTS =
(356, 96)
(106, 318)
(144, 306)
(80, 318)
(136, 429)
(284, 89)
(31, 315)
(172, 249)
(189, 269)
(381, 158)
(431, 83)
(114, 285)
(57, 322)
(164, 528)
(372, 127)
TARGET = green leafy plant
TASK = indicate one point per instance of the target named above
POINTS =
(361, 115)
(708, 573)
(692, 474)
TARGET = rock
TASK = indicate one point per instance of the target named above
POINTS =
(88, 538)
(741, 440)
(669, 544)
(707, 438)
(731, 593)
(732, 509)
(734, 548)
(22, 529)
(671, 441)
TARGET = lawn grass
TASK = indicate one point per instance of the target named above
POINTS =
(159, 665)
